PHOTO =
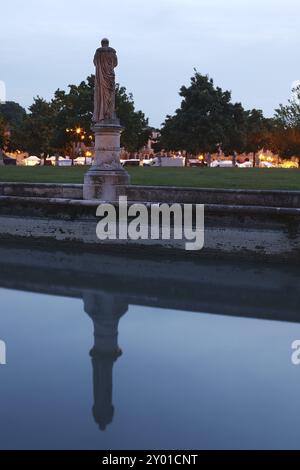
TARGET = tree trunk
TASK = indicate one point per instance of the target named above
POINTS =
(1, 158)
(254, 159)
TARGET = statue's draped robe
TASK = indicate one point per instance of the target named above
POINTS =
(104, 102)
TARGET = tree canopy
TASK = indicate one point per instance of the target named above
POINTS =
(2, 133)
(44, 128)
(289, 115)
(284, 137)
(208, 119)
(12, 118)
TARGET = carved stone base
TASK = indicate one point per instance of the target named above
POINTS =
(105, 185)
(106, 180)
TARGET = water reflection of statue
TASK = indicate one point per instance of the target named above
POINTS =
(105, 61)
(105, 310)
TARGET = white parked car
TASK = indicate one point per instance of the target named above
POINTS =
(130, 162)
(32, 161)
(64, 161)
(221, 164)
(178, 162)
(59, 161)
(266, 165)
(245, 165)
(147, 162)
(52, 160)
(80, 161)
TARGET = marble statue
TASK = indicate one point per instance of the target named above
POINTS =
(106, 179)
(105, 61)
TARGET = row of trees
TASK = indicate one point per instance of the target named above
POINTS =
(207, 119)
(48, 127)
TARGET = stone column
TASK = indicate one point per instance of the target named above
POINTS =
(106, 180)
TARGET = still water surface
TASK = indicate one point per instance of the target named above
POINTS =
(183, 381)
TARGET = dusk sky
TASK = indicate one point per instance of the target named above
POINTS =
(248, 46)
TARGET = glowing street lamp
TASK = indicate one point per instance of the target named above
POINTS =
(88, 154)
(80, 134)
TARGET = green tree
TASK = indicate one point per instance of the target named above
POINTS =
(71, 110)
(136, 125)
(258, 130)
(206, 118)
(44, 129)
(38, 128)
(236, 133)
(13, 117)
(285, 141)
(12, 113)
(2, 133)
(75, 109)
(288, 116)
(285, 135)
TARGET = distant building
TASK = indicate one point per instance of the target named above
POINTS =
(149, 148)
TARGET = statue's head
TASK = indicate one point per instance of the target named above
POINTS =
(105, 42)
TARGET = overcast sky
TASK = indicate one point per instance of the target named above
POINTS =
(248, 46)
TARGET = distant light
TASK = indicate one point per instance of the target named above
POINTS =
(289, 164)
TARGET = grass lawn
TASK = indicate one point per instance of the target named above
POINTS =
(235, 178)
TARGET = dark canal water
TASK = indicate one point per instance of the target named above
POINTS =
(152, 377)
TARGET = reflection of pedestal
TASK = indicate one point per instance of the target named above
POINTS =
(105, 311)
(106, 180)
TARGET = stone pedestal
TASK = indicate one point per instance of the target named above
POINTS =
(106, 180)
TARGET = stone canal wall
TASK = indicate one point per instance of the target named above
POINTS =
(248, 231)
(241, 197)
